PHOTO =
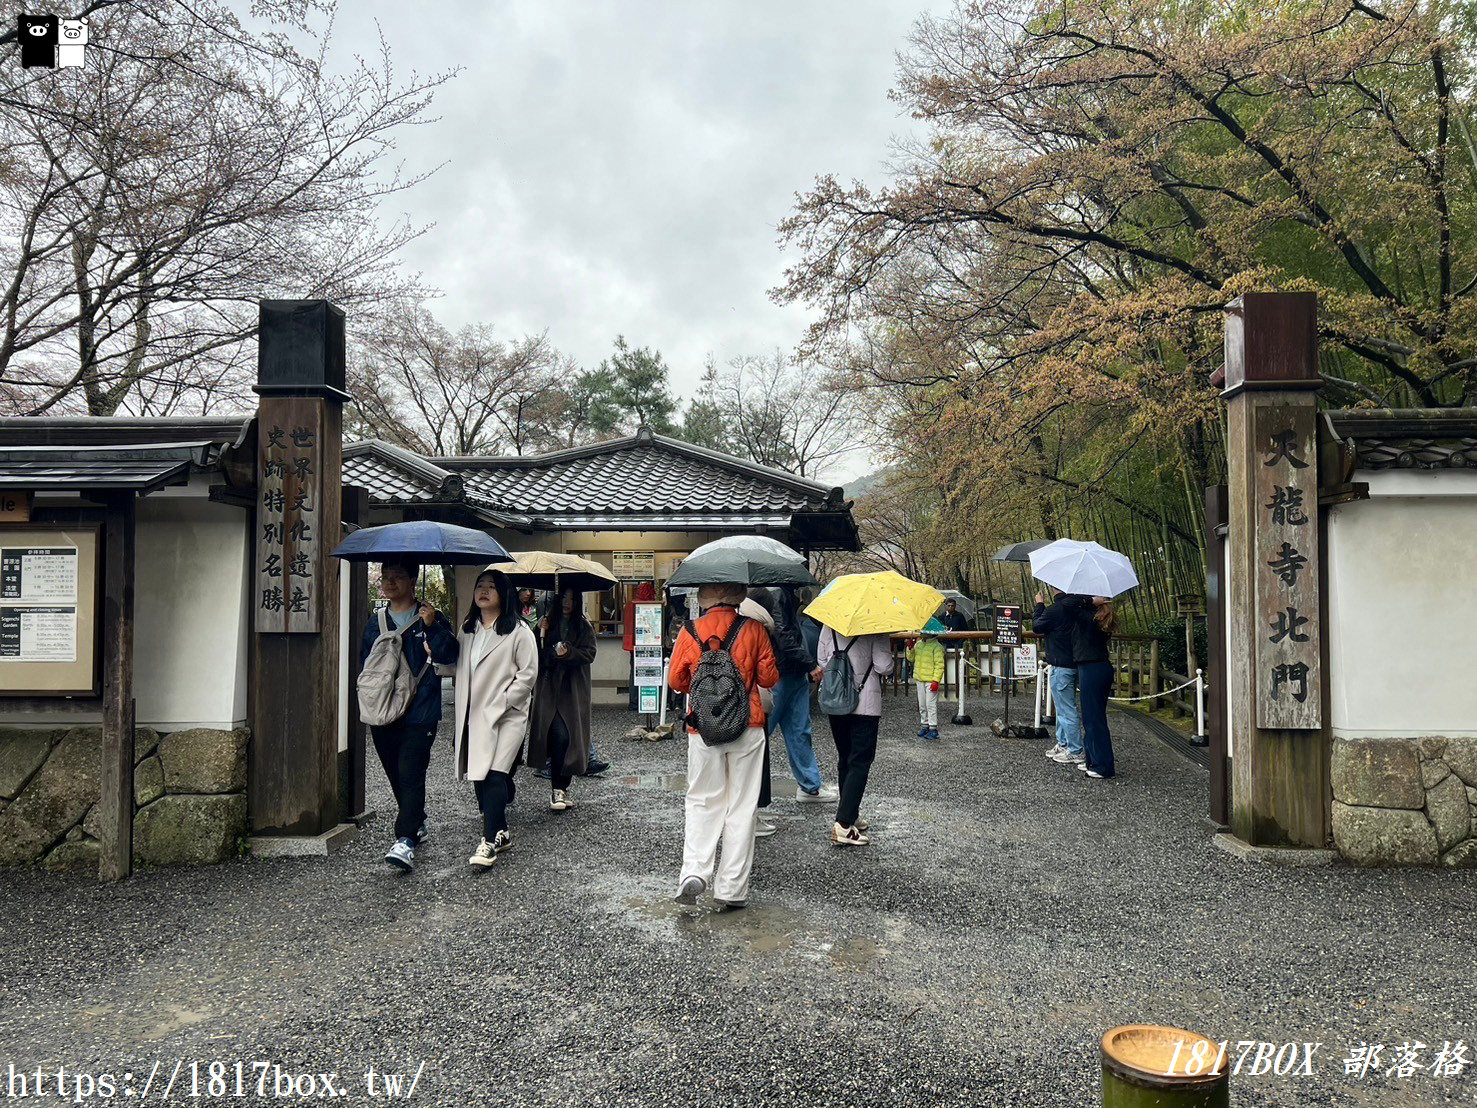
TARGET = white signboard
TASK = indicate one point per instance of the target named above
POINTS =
(648, 667)
(39, 575)
(633, 565)
(1025, 660)
(648, 625)
(38, 634)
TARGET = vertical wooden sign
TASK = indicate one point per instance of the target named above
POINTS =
(1289, 680)
(290, 514)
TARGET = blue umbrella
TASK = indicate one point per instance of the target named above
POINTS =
(424, 541)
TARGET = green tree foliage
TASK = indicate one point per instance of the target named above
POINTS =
(634, 391)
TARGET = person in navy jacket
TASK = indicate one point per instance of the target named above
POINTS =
(404, 747)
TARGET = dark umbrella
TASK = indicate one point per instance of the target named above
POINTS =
(1019, 551)
(741, 567)
(423, 541)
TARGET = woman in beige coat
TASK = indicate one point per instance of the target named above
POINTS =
(495, 675)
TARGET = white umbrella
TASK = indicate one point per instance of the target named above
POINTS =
(750, 542)
(1083, 568)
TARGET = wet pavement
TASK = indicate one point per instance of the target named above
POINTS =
(1007, 913)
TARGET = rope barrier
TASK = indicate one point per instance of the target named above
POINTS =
(1151, 696)
(1120, 699)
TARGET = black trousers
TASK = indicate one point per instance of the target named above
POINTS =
(405, 752)
(764, 792)
(558, 752)
(856, 747)
(493, 793)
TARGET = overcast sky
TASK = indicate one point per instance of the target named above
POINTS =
(620, 167)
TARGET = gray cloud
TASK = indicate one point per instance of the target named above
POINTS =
(620, 167)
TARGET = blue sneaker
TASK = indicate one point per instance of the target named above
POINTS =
(932, 734)
(923, 732)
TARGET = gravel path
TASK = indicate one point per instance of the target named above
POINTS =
(1007, 913)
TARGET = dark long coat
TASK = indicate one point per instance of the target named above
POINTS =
(563, 691)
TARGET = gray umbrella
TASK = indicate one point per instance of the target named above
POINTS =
(1019, 551)
(962, 602)
(741, 567)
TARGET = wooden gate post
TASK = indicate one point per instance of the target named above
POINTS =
(294, 746)
(1278, 794)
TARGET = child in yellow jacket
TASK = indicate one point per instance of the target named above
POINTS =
(927, 658)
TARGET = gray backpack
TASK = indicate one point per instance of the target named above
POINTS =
(718, 698)
(840, 692)
(386, 685)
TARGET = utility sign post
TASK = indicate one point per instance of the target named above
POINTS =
(646, 658)
(1007, 625)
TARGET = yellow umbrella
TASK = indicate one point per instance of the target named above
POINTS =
(549, 570)
(874, 604)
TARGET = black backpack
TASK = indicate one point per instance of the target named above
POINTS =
(718, 698)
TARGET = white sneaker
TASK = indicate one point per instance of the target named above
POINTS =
(484, 855)
(402, 855)
(1062, 757)
(690, 890)
(561, 801)
(1054, 751)
(1083, 767)
(763, 829)
(848, 836)
(1077, 759)
(826, 795)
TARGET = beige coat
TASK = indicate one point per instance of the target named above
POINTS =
(493, 697)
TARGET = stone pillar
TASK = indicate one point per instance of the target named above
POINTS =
(1275, 680)
(294, 748)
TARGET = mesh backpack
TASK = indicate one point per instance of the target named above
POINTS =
(718, 698)
(839, 693)
(385, 684)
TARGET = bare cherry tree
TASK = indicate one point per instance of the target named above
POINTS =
(443, 393)
(194, 166)
(783, 413)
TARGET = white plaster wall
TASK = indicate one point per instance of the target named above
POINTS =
(191, 604)
(1402, 606)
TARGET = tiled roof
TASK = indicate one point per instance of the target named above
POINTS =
(1424, 438)
(645, 474)
(121, 430)
(395, 475)
(643, 482)
(140, 469)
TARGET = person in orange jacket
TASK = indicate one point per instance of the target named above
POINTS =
(723, 781)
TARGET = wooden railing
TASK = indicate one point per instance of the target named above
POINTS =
(1135, 661)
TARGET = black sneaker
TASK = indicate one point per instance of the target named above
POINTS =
(596, 768)
(422, 834)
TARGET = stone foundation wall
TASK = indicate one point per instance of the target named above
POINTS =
(1406, 801)
(189, 796)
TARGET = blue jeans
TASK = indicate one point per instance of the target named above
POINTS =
(1095, 679)
(1068, 719)
(791, 714)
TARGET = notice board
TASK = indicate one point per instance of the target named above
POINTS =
(49, 611)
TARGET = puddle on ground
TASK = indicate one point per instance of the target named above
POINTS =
(677, 783)
(760, 929)
(178, 1019)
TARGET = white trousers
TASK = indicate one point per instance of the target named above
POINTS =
(928, 705)
(722, 805)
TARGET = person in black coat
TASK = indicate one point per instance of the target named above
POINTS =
(1055, 626)
(1092, 629)
(953, 618)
